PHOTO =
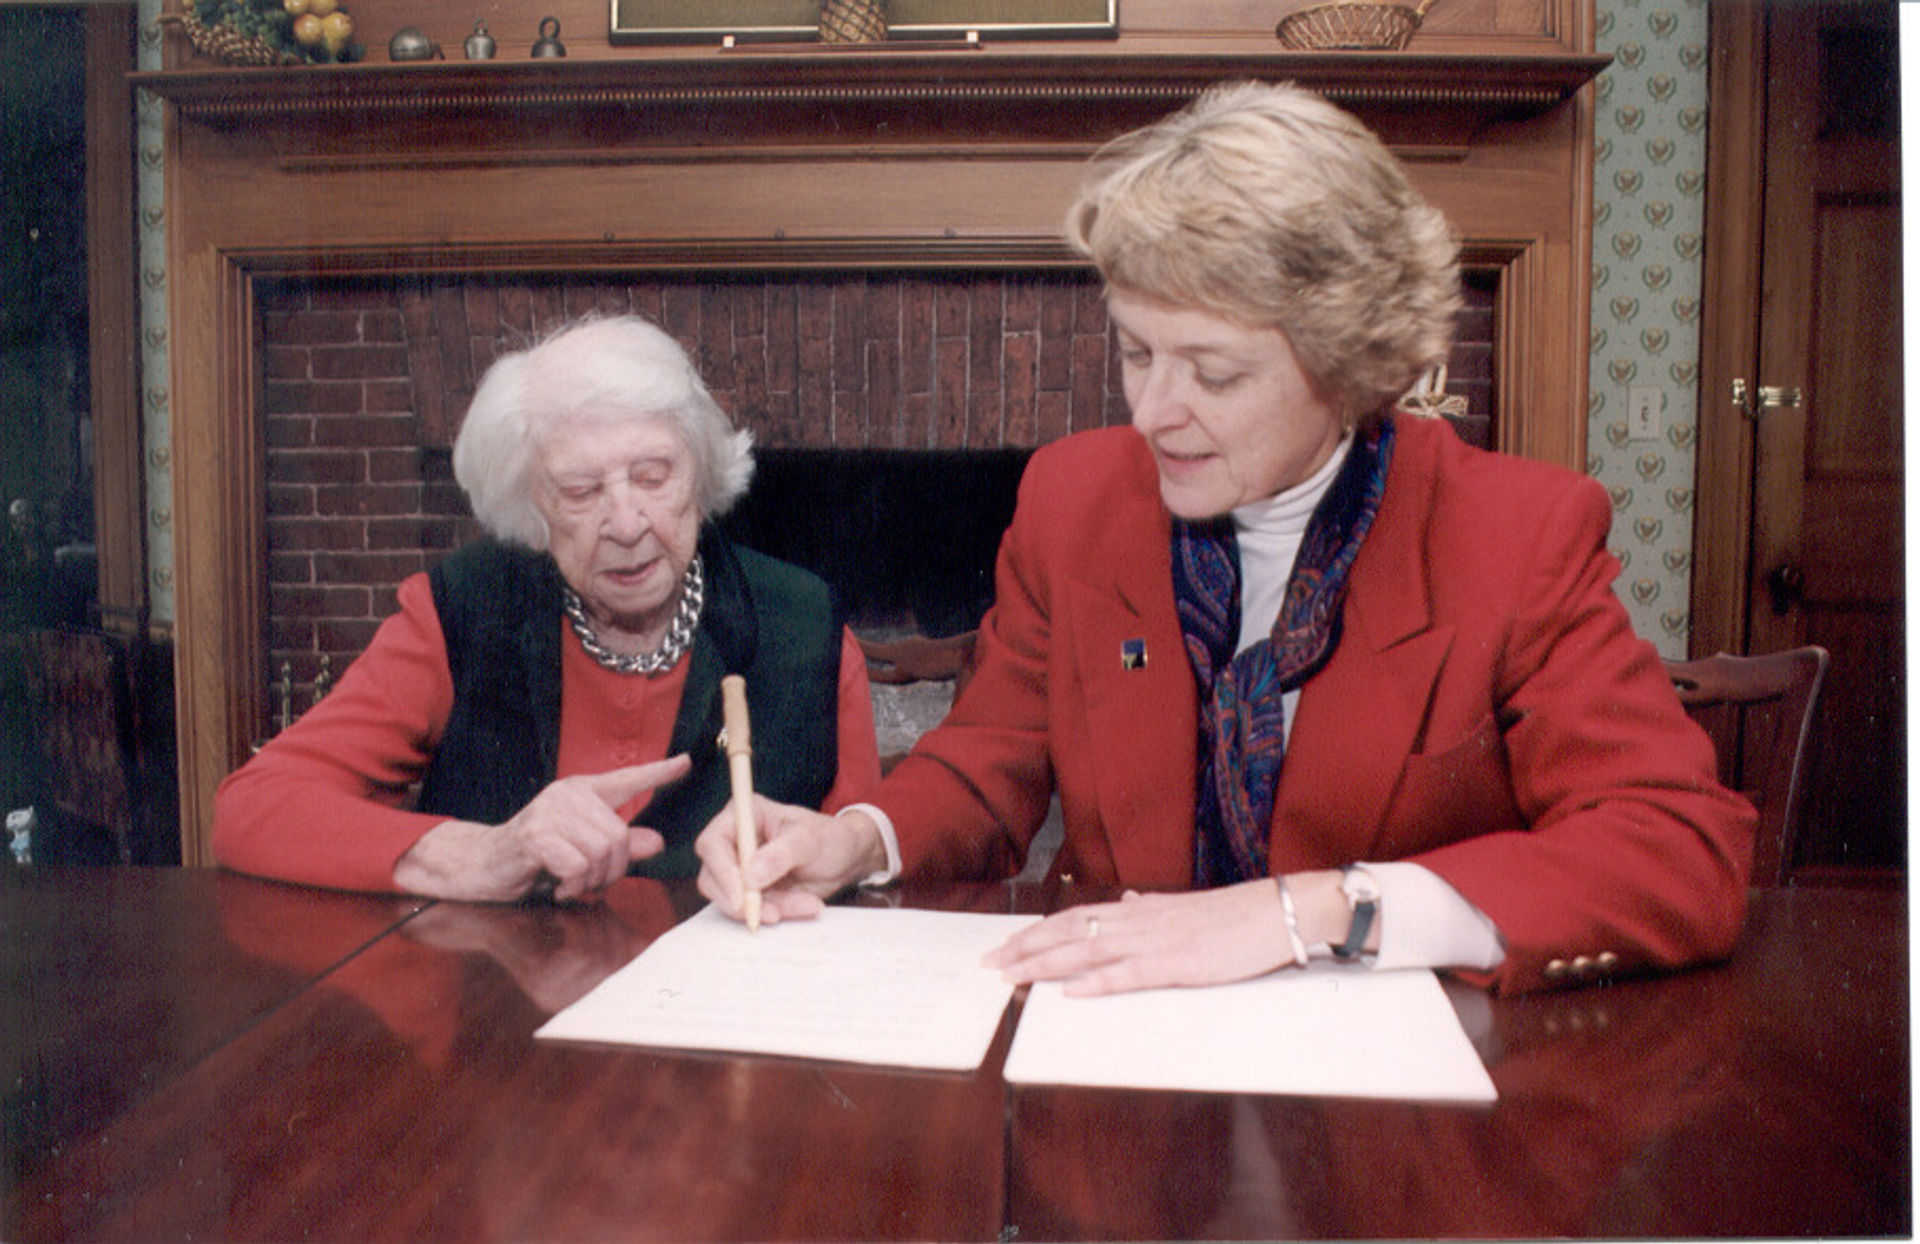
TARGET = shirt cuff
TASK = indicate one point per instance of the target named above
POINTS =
(888, 839)
(1425, 923)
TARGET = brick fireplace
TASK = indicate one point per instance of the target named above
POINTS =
(891, 413)
(860, 250)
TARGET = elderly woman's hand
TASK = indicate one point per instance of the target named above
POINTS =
(803, 859)
(1148, 941)
(570, 831)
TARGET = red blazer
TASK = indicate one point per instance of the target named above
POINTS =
(1489, 714)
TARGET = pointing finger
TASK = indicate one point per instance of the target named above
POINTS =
(616, 786)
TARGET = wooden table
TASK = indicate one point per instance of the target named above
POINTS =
(197, 1055)
(121, 980)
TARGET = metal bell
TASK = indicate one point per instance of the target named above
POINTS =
(480, 43)
(548, 44)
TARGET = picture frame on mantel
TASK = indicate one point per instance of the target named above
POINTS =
(678, 21)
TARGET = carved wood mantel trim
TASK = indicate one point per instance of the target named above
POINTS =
(1489, 86)
(929, 160)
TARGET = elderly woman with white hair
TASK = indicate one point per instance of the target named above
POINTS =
(552, 693)
(1310, 677)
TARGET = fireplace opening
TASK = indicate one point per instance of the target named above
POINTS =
(906, 538)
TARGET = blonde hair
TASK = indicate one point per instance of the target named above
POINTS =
(611, 368)
(1270, 206)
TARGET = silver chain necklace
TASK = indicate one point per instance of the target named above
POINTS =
(693, 597)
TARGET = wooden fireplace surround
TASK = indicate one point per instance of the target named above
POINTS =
(629, 160)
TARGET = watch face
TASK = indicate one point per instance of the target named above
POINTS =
(1359, 886)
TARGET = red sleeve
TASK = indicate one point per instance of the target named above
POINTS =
(859, 770)
(1632, 846)
(324, 803)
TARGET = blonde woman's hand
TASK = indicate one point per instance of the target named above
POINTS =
(803, 858)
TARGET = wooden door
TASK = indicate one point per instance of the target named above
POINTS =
(1812, 382)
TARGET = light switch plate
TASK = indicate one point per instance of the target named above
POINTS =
(1643, 413)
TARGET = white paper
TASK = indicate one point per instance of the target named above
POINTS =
(1333, 1030)
(888, 987)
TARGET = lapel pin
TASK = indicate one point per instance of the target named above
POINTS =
(1133, 654)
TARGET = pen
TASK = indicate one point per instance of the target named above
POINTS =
(739, 744)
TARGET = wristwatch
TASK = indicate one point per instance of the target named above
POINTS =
(1363, 900)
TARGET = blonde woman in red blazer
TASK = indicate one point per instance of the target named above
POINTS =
(1307, 676)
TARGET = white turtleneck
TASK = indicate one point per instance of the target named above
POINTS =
(1269, 533)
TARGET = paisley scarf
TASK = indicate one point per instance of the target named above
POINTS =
(1242, 718)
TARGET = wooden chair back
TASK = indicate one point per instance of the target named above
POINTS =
(917, 658)
(914, 659)
(1759, 711)
(80, 692)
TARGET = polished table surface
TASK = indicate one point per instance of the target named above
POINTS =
(195, 1055)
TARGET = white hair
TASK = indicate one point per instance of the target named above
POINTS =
(608, 368)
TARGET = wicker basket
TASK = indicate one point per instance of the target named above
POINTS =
(853, 21)
(1352, 26)
(225, 44)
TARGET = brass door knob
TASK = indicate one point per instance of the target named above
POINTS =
(1768, 397)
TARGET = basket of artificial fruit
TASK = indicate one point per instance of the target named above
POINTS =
(268, 32)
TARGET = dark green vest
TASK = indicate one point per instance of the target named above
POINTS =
(500, 609)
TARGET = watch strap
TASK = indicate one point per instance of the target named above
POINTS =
(1365, 906)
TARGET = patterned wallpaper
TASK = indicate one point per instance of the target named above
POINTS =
(156, 423)
(1649, 183)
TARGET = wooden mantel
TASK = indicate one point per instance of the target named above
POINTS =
(1490, 85)
(759, 158)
